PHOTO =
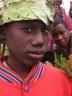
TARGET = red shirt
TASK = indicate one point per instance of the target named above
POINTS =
(43, 80)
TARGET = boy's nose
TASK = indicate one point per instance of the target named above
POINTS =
(38, 39)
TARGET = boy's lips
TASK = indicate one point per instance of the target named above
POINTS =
(36, 54)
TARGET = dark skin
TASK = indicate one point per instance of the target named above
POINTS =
(61, 35)
(27, 43)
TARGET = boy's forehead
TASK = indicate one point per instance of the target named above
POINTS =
(28, 22)
(32, 22)
(24, 23)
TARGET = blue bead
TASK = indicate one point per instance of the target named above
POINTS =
(26, 89)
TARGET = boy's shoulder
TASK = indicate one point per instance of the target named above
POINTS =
(56, 72)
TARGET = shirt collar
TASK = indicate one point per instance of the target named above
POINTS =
(12, 77)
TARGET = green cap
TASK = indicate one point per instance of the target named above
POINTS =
(15, 10)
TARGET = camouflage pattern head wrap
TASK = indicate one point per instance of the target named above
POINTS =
(15, 10)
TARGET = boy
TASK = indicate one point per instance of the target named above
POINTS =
(25, 27)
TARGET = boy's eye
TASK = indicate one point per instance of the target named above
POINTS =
(45, 30)
(28, 29)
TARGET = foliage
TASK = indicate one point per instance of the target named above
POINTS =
(64, 64)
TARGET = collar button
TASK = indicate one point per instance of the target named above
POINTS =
(26, 89)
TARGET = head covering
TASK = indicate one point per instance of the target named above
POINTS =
(15, 10)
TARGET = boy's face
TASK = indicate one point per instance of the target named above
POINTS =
(61, 35)
(27, 41)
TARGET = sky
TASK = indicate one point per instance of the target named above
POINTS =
(1, 3)
(66, 5)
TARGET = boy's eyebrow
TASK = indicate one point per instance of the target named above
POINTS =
(34, 24)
